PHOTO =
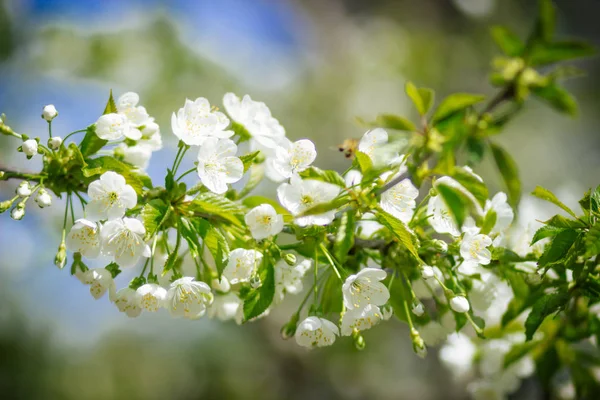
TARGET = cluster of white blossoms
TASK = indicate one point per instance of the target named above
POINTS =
(132, 123)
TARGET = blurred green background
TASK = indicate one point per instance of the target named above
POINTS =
(318, 64)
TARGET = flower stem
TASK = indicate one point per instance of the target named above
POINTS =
(331, 261)
(189, 171)
(71, 134)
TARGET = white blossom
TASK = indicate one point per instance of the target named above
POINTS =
(17, 213)
(197, 121)
(138, 155)
(127, 104)
(100, 281)
(316, 332)
(399, 200)
(418, 309)
(24, 189)
(504, 213)
(360, 319)
(30, 147)
(241, 265)
(365, 288)
(217, 164)
(473, 249)
(440, 218)
(263, 221)
(292, 158)
(427, 272)
(110, 196)
(352, 178)
(460, 304)
(128, 302)
(371, 140)
(288, 278)
(188, 298)
(49, 112)
(115, 126)
(43, 198)
(54, 142)
(222, 285)
(84, 237)
(458, 355)
(123, 239)
(151, 296)
(226, 307)
(256, 117)
(302, 195)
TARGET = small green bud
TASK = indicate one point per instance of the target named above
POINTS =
(5, 205)
(290, 259)
(1, 175)
(260, 158)
(61, 256)
(255, 282)
(288, 330)
(439, 245)
(359, 340)
(418, 344)
(432, 192)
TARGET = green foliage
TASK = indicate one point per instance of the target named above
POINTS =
(542, 308)
(547, 195)
(91, 143)
(510, 173)
(111, 107)
(454, 103)
(249, 159)
(328, 176)
(507, 41)
(364, 162)
(396, 122)
(211, 205)
(217, 245)
(100, 165)
(153, 213)
(258, 300)
(472, 183)
(344, 238)
(422, 98)
(399, 230)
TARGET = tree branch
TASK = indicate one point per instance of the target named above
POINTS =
(6, 174)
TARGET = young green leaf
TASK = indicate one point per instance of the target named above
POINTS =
(248, 159)
(510, 173)
(91, 143)
(559, 247)
(328, 176)
(390, 121)
(454, 103)
(325, 207)
(472, 183)
(331, 299)
(422, 98)
(241, 131)
(545, 232)
(547, 195)
(542, 308)
(97, 166)
(557, 97)
(152, 214)
(217, 246)
(558, 221)
(550, 53)
(344, 238)
(399, 230)
(459, 202)
(592, 241)
(260, 299)
(111, 107)
(507, 41)
(215, 205)
(364, 162)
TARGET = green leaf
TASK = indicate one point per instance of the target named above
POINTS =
(510, 173)
(210, 204)
(325, 207)
(328, 176)
(507, 41)
(545, 194)
(248, 159)
(559, 221)
(454, 103)
(217, 246)
(331, 299)
(399, 230)
(152, 214)
(558, 248)
(241, 131)
(543, 307)
(111, 107)
(364, 162)
(506, 255)
(518, 351)
(489, 221)
(592, 241)
(399, 295)
(260, 299)
(254, 201)
(557, 97)
(545, 232)
(472, 183)
(91, 143)
(188, 232)
(549, 53)
(459, 203)
(344, 238)
(422, 98)
(390, 121)
(100, 165)
(546, 22)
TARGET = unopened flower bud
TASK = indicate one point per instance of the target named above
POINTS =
(150, 129)
(290, 259)
(43, 198)
(24, 189)
(427, 272)
(54, 142)
(417, 308)
(460, 304)
(386, 311)
(49, 112)
(61, 256)
(359, 340)
(289, 330)
(440, 245)
(222, 285)
(255, 282)
(18, 212)
(5, 205)
(418, 343)
(30, 147)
